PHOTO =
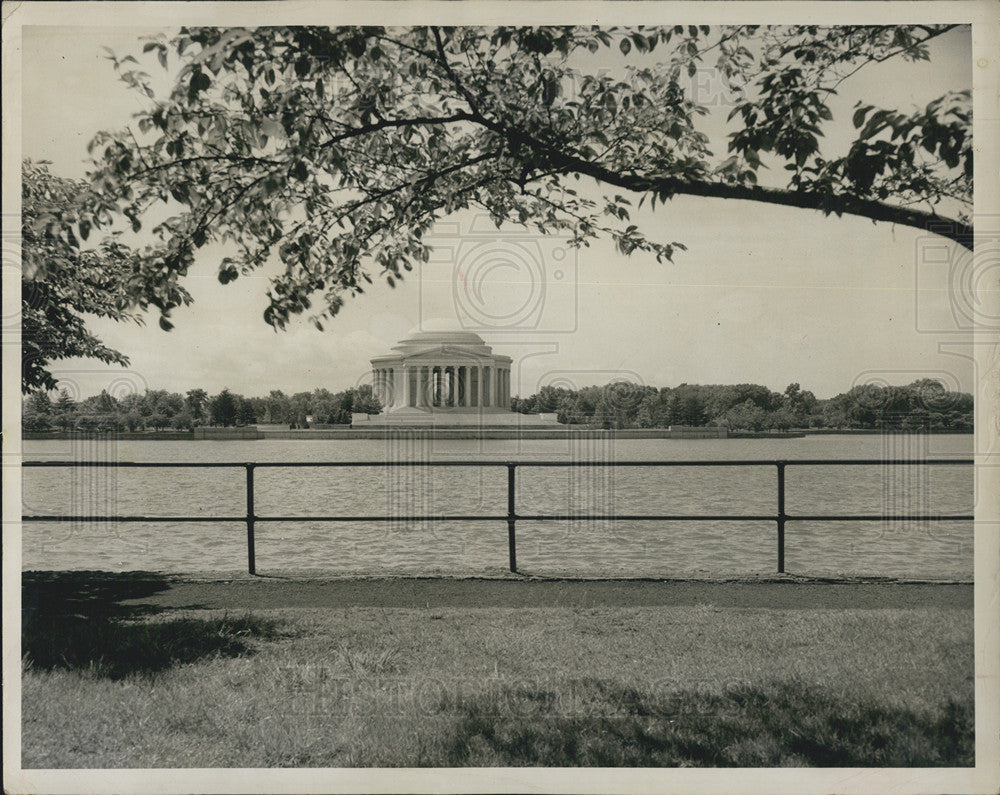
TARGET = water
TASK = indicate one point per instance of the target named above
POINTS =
(592, 548)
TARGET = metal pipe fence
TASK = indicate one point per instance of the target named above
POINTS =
(511, 517)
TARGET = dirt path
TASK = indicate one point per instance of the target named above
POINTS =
(264, 593)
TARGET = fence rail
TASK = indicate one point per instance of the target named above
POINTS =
(511, 517)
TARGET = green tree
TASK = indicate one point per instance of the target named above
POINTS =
(222, 408)
(133, 408)
(782, 419)
(160, 406)
(325, 407)
(693, 411)
(64, 411)
(363, 401)
(36, 413)
(278, 407)
(300, 406)
(618, 406)
(674, 409)
(61, 282)
(566, 411)
(245, 414)
(747, 416)
(105, 403)
(98, 412)
(799, 404)
(339, 148)
(196, 400)
(183, 421)
(548, 398)
(652, 411)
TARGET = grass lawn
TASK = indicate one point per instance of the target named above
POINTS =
(552, 686)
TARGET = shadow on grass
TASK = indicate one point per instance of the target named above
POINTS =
(781, 724)
(76, 621)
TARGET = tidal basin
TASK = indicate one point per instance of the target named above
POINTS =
(615, 548)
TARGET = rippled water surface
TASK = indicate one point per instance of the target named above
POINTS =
(605, 547)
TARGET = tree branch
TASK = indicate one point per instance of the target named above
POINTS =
(840, 204)
(367, 129)
(893, 54)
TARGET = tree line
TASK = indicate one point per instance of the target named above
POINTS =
(158, 409)
(924, 404)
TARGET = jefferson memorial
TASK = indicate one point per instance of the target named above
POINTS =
(444, 378)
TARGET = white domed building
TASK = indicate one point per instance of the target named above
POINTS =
(444, 378)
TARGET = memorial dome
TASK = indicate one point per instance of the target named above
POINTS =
(429, 340)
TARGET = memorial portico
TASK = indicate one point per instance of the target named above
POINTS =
(442, 371)
(444, 378)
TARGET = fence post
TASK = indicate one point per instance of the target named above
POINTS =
(781, 516)
(511, 518)
(251, 546)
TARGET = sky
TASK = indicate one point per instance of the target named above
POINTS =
(763, 294)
